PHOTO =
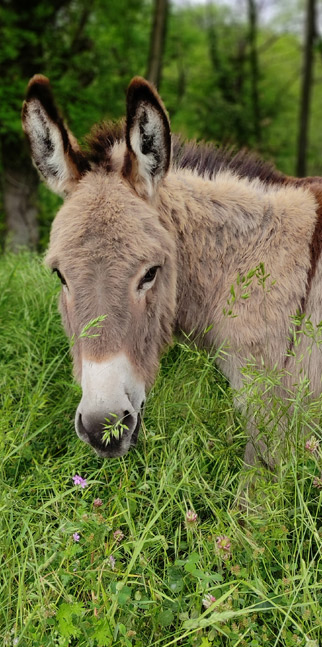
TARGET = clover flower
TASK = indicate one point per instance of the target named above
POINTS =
(78, 480)
(76, 536)
(118, 535)
(317, 482)
(97, 503)
(312, 444)
(208, 600)
(223, 545)
(235, 569)
(112, 562)
(191, 518)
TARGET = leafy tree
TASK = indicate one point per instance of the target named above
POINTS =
(157, 41)
(306, 90)
(89, 51)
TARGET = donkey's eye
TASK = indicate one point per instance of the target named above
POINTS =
(149, 276)
(60, 276)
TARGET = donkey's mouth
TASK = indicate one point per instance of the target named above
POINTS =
(116, 446)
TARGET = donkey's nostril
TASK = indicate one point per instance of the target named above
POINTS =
(79, 424)
(128, 421)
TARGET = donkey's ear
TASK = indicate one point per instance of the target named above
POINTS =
(148, 138)
(55, 151)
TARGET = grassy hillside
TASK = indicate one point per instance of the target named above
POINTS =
(122, 561)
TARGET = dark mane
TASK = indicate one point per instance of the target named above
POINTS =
(100, 141)
(205, 159)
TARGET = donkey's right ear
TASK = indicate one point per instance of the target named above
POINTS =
(148, 138)
(55, 151)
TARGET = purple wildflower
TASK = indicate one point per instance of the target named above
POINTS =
(76, 536)
(112, 562)
(118, 535)
(312, 444)
(97, 503)
(208, 600)
(78, 480)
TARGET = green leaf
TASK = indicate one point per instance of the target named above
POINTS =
(124, 595)
(65, 618)
(193, 558)
(165, 618)
(122, 629)
(94, 323)
(103, 634)
(176, 585)
(205, 642)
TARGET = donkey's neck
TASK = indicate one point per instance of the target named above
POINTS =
(208, 219)
(222, 228)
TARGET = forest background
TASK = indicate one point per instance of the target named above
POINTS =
(242, 73)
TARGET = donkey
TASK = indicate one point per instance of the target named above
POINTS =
(153, 235)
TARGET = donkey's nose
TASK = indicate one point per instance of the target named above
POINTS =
(94, 426)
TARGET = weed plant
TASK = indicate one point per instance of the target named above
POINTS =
(150, 549)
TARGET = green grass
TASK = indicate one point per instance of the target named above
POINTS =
(56, 591)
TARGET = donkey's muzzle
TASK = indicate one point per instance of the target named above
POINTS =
(108, 415)
(111, 437)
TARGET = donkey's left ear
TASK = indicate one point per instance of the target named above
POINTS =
(148, 138)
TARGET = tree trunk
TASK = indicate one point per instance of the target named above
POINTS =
(20, 205)
(305, 100)
(157, 41)
(254, 71)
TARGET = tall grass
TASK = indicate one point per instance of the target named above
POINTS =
(68, 579)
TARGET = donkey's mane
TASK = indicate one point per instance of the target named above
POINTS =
(205, 159)
(100, 141)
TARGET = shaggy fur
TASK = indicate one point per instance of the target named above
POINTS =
(211, 218)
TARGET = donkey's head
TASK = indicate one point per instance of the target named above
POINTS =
(114, 257)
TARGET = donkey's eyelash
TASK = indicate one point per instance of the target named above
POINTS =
(149, 276)
(60, 276)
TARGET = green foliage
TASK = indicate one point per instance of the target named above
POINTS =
(124, 561)
(89, 52)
